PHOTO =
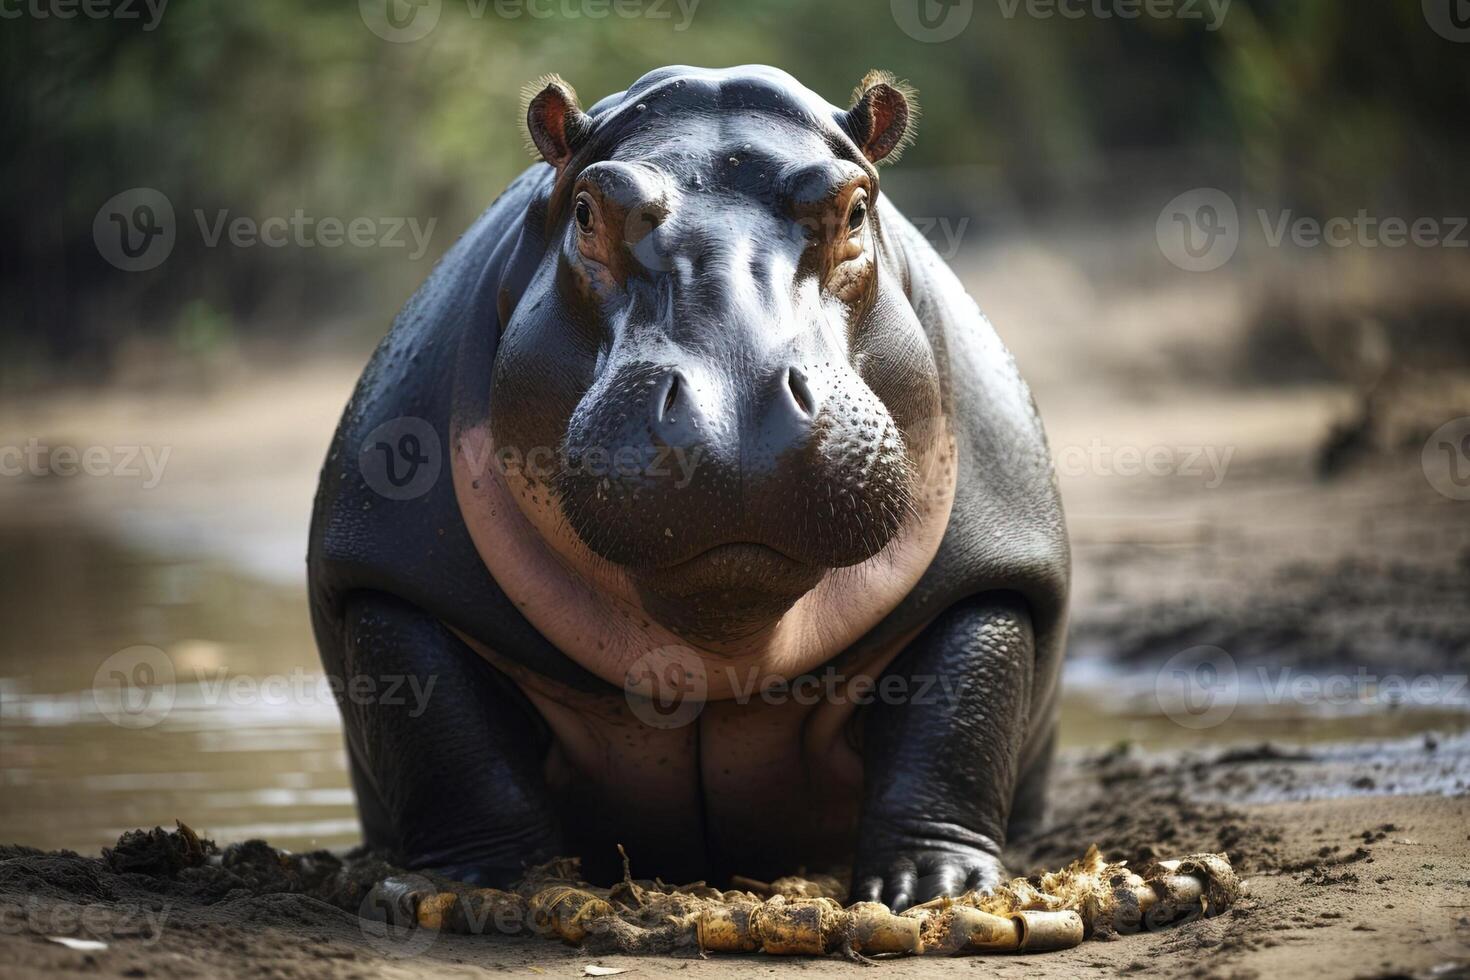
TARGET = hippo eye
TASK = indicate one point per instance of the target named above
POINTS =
(857, 216)
(584, 214)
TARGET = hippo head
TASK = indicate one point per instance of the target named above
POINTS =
(708, 375)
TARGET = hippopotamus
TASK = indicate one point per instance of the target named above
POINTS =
(707, 508)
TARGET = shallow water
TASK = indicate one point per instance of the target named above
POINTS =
(234, 759)
(245, 742)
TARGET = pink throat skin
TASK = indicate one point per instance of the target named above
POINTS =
(590, 609)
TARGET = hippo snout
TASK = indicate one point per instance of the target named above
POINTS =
(665, 463)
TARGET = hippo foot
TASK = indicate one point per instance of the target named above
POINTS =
(900, 877)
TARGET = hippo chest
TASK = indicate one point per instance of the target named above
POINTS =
(680, 778)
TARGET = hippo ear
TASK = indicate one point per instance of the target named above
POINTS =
(557, 126)
(883, 117)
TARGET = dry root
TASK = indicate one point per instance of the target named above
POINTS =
(796, 917)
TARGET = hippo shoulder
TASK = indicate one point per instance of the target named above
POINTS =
(1006, 529)
(408, 538)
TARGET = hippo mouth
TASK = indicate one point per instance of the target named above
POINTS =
(727, 591)
(730, 564)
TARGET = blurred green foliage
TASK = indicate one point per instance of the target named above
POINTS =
(267, 107)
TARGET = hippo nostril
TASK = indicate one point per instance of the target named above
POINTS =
(796, 382)
(671, 398)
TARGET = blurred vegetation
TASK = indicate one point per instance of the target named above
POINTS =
(265, 107)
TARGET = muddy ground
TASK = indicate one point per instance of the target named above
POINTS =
(1358, 884)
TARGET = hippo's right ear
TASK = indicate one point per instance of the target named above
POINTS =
(557, 126)
(883, 117)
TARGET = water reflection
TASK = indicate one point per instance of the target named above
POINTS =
(234, 760)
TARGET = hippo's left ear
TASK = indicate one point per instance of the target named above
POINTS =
(555, 123)
(883, 117)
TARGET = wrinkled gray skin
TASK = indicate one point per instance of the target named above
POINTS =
(703, 265)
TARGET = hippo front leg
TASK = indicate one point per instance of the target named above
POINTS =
(941, 761)
(449, 774)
